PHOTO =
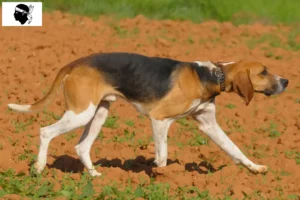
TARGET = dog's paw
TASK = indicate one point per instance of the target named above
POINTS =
(94, 173)
(38, 167)
(259, 169)
(262, 169)
(161, 163)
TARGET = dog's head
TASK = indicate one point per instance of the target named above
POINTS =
(247, 77)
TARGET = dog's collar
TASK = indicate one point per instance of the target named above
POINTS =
(220, 78)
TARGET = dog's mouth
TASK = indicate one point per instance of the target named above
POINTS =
(268, 93)
(275, 88)
(273, 92)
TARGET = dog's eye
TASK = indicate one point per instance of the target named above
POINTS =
(264, 73)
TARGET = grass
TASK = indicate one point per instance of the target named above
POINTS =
(21, 126)
(70, 136)
(36, 187)
(197, 139)
(129, 123)
(238, 11)
(234, 126)
(27, 155)
(230, 106)
(291, 43)
(272, 130)
(127, 136)
(111, 122)
(270, 39)
(293, 155)
(270, 54)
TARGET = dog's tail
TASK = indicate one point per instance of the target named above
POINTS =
(49, 96)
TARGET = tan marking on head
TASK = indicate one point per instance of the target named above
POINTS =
(247, 77)
(260, 77)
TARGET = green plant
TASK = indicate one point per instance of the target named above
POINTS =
(234, 125)
(190, 40)
(126, 137)
(230, 106)
(198, 140)
(70, 136)
(187, 124)
(293, 155)
(293, 44)
(27, 155)
(129, 123)
(142, 143)
(21, 126)
(293, 196)
(273, 132)
(119, 31)
(111, 122)
(100, 136)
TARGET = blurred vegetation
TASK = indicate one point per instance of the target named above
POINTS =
(237, 11)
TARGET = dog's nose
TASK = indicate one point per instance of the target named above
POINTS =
(284, 82)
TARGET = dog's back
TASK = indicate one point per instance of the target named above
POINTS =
(138, 77)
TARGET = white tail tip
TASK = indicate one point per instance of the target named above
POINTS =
(20, 108)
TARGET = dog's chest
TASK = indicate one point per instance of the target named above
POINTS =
(196, 106)
(201, 106)
(140, 108)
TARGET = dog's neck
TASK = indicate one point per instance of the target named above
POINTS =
(227, 84)
(221, 78)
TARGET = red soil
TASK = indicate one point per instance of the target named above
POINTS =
(32, 56)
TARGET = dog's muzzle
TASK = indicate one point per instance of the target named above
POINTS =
(279, 87)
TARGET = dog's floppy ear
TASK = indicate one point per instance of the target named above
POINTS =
(243, 86)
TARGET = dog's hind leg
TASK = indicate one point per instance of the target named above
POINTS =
(68, 122)
(82, 95)
(89, 135)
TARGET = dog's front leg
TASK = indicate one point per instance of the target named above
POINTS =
(160, 130)
(208, 124)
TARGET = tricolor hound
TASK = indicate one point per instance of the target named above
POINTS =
(160, 88)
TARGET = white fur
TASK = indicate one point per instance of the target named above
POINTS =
(139, 108)
(208, 64)
(160, 132)
(208, 124)
(280, 87)
(226, 63)
(68, 122)
(89, 135)
(20, 108)
(110, 98)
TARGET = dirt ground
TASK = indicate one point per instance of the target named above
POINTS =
(268, 130)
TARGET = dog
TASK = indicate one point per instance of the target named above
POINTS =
(162, 89)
